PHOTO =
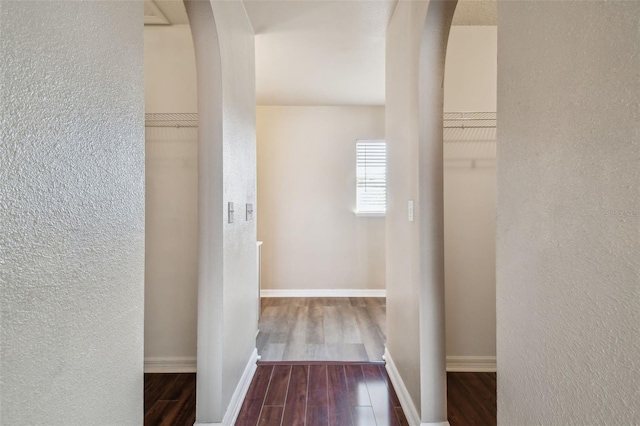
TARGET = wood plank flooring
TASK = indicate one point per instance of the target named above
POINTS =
(170, 399)
(322, 329)
(312, 392)
(321, 394)
(471, 399)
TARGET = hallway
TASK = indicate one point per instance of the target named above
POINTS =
(322, 329)
(321, 394)
(169, 399)
(321, 365)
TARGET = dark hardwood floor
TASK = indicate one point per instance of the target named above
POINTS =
(350, 394)
(170, 399)
(471, 399)
(312, 392)
(320, 394)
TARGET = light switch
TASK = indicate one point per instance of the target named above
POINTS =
(231, 218)
(249, 212)
(410, 210)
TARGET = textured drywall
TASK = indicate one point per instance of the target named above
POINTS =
(470, 200)
(568, 225)
(401, 122)
(171, 258)
(470, 260)
(307, 195)
(169, 69)
(228, 280)
(470, 81)
(416, 47)
(433, 49)
(239, 186)
(72, 213)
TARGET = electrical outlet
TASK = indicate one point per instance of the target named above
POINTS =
(410, 210)
(249, 212)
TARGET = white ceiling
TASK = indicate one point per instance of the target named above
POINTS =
(320, 52)
(468, 12)
(324, 52)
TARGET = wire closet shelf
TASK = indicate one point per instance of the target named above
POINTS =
(451, 120)
(176, 120)
(469, 120)
(469, 136)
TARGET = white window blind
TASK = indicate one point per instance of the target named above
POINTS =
(371, 174)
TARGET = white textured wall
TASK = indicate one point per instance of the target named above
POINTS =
(307, 195)
(470, 201)
(239, 186)
(430, 217)
(228, 280)
(469, 260)
(402, 245)
(470, 82)
(72, 213)
(568, 230)
(169, 69)
(171, 258)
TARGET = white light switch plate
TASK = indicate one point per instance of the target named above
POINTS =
(410, 210)
(231, 218)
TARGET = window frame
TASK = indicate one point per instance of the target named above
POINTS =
(358, 203)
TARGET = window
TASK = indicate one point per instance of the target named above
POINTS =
(371, 178)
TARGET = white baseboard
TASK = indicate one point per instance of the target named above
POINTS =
(459, 364)
(239, 394)
(410, 410)
(241, 390)
(455, 364)
(185, 364)
(323, 293)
